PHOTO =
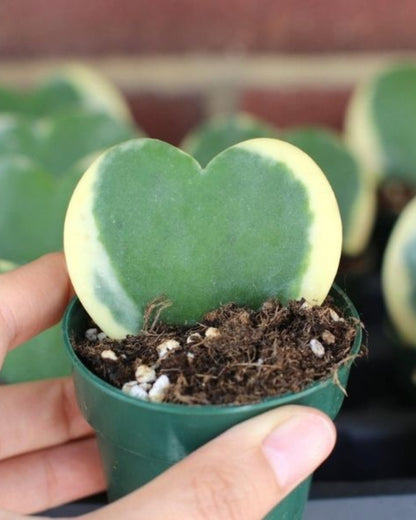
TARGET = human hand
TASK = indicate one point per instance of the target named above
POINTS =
(48, 454)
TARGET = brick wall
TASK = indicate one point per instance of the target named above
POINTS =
(288, 61)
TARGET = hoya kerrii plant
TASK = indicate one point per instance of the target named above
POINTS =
(69, 87)
(380, 124)
(222, 131)
(399, 275)
(399, 291)
(354, 190)
(147, 222)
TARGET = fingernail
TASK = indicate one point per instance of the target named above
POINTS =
(297, 447)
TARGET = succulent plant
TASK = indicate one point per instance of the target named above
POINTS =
(67, 88)
(146, 221)
(380, 124)
(354, 190)
(216, 134)
(399, 275)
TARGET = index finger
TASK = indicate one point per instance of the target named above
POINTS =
(32, 298)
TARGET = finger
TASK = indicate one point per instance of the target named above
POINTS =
(6, 515)
(241, 474)
(32, 298)
(48, 478)
(39, 415)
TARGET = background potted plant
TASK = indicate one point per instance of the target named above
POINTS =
(380, 129)
(399, 283)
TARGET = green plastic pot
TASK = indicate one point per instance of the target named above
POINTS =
(138, 440)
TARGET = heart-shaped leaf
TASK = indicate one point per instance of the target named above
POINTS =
(215, 135)
(145, 221)
(381, 123)
(354, 191)
(68, 88)
(399, 274)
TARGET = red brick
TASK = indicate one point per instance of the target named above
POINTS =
(167, 117)
(79, 27)
(298, 106)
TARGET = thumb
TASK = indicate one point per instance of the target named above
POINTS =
(241, 474)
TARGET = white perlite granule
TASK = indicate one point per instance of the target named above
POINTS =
(91, 334)
(145, 374)
(212, 332)
(194, 338)
(133, 389)
(109, 354)
(170, 345)
(317, 348)
(159, 389)
(101, 336)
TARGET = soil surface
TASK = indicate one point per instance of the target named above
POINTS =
(233, 356)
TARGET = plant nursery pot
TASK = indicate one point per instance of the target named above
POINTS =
(138, 440)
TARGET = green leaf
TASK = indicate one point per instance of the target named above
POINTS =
(145, 221)
(71, 87)
(40, 164)
(381, 123)
(58, 141)
(356, 196)
(399, 274)
(32, 208)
